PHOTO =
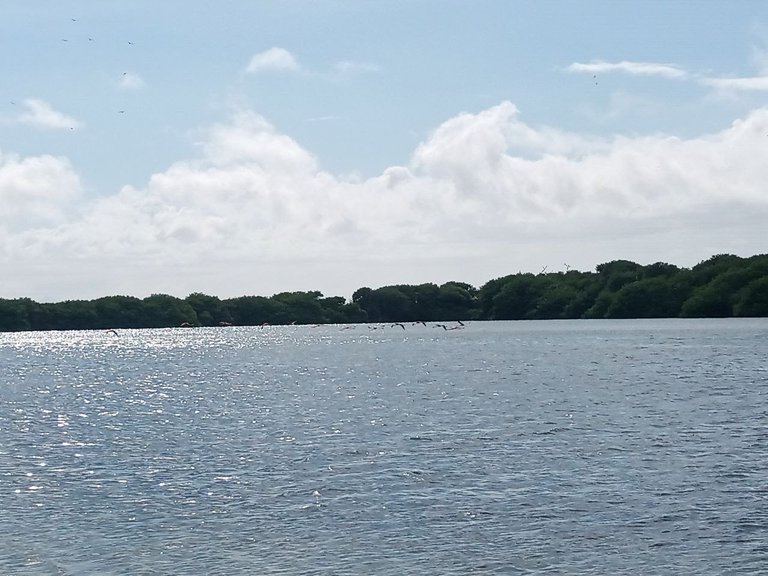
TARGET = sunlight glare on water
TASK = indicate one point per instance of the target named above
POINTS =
(502, 448)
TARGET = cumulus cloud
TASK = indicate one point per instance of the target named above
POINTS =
(574, 179)
(628, 67)
(486, 191)
(274, 59)
(41, 114)
(35, 190)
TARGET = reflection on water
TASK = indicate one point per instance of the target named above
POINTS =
(527, 447)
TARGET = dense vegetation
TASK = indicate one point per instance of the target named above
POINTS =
(723, 286)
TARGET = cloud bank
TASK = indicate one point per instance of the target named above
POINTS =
(486, 194)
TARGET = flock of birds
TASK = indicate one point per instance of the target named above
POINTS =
(459, 325)
(91, 39)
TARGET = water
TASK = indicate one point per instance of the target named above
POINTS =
(574, 447)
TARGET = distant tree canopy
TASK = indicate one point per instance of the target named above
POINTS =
(722, 286)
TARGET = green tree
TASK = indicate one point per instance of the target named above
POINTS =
(164, 311)
(718, 298)
(487, 293)
(455, 301)
(617, 273)
(556, 300)
(210, 310)
(654, 297)
(704, 272)
(119, 312)
(753, 299)
(585, 287)
(363, 298)
(69, 315)
(390, 304)
(13, 316)
(337, 310)
(302, 307)
(257, 310)
(519, 297)
(660, 269)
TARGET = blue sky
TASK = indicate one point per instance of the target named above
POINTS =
(257, 147)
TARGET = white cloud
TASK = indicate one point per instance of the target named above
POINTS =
(637, 68)
(350, 67)
(274, 59)
(41, 114)
(326, 118)
(35, 190)
(724, 85)
(751, 84)
(486, 194)
(130, 81)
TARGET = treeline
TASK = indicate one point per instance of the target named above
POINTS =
(722, 286)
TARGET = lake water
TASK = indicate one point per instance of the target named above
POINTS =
(573, 447)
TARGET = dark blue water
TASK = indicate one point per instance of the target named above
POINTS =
(501, 448)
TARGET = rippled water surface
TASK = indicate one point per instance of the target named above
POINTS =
(500, 448)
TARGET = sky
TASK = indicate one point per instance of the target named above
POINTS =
(250, 148)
